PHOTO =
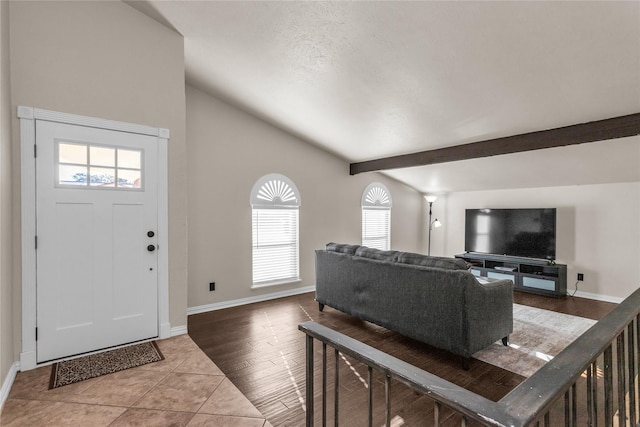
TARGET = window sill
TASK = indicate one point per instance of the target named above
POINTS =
(275, 283)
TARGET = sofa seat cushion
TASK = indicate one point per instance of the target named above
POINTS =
(432, 261)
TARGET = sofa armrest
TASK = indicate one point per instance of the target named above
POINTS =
(489, 308)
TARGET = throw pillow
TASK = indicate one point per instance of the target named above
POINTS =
(341, 247)
(432, 261)
(372, 253)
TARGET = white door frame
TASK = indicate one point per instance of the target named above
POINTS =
(28, 117)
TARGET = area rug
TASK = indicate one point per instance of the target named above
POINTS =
(537, 336)
(95, 365)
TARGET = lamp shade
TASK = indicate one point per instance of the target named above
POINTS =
(437, 223)
(430, 198)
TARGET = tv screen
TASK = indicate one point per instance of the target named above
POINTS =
(529, 233)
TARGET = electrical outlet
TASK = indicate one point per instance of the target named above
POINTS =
(212, 286)
(580, 277)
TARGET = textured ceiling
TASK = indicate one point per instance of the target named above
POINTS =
(366, 80)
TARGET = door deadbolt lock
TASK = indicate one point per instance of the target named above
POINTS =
(151, 248)
(150, 233)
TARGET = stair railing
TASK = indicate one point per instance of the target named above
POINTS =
(592, 382)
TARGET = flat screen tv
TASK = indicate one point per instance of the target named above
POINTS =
(528, 233)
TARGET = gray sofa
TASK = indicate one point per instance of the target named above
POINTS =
(431, 299)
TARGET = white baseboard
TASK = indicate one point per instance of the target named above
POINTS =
(249, 300)
(597, 297)
(8, 382)
(178, 330)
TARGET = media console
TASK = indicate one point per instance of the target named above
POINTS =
(528, 275)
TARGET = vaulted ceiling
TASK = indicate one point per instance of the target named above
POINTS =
(367, 80)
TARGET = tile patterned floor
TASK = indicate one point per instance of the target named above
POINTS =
(184, 389)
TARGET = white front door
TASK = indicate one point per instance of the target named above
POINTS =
(96, 226)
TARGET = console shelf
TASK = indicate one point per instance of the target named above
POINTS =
(528, 275)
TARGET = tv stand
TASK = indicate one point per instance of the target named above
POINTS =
(532, 275)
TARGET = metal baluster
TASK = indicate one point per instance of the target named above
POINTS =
(324, 384)
(370, 396)
(637, 366)
(574, 405)
(608, 387)
(589, 397)
(436, 414)
(547, 420)
(621, 372)
(463, 422)
(387, 396)
(566, 409)
(632, 374)
(638, 340)
(309, 403)
(594, 369)
(336, 386)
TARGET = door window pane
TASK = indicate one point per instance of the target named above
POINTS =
(103, 177)
(129, 159)
(129, 178)
(72, 175)
(102, 156)
(72, 153)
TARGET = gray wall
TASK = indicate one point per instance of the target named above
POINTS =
(228, 152)
(107, 60)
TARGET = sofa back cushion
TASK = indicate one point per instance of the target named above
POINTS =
(342, 248)
(395, 256)
(372, 253)
(432, 261)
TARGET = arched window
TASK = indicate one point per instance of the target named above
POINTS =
(275, 201)
(376, 217)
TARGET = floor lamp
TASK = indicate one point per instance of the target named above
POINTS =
(432, 224)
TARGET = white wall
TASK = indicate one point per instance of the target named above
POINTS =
(598, 230)
(228, 151)
(103, 59)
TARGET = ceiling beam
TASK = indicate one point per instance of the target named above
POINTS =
(600, 130)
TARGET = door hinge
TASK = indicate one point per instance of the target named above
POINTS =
(36, 334)
(35, 150)
(36, 239)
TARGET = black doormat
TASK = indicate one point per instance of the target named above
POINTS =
(95, 365)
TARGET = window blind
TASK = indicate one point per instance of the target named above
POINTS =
(375, 228)
(275, 245)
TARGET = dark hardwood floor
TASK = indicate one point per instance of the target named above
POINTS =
(260, 349)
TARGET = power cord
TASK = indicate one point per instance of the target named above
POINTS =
(576, 289)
